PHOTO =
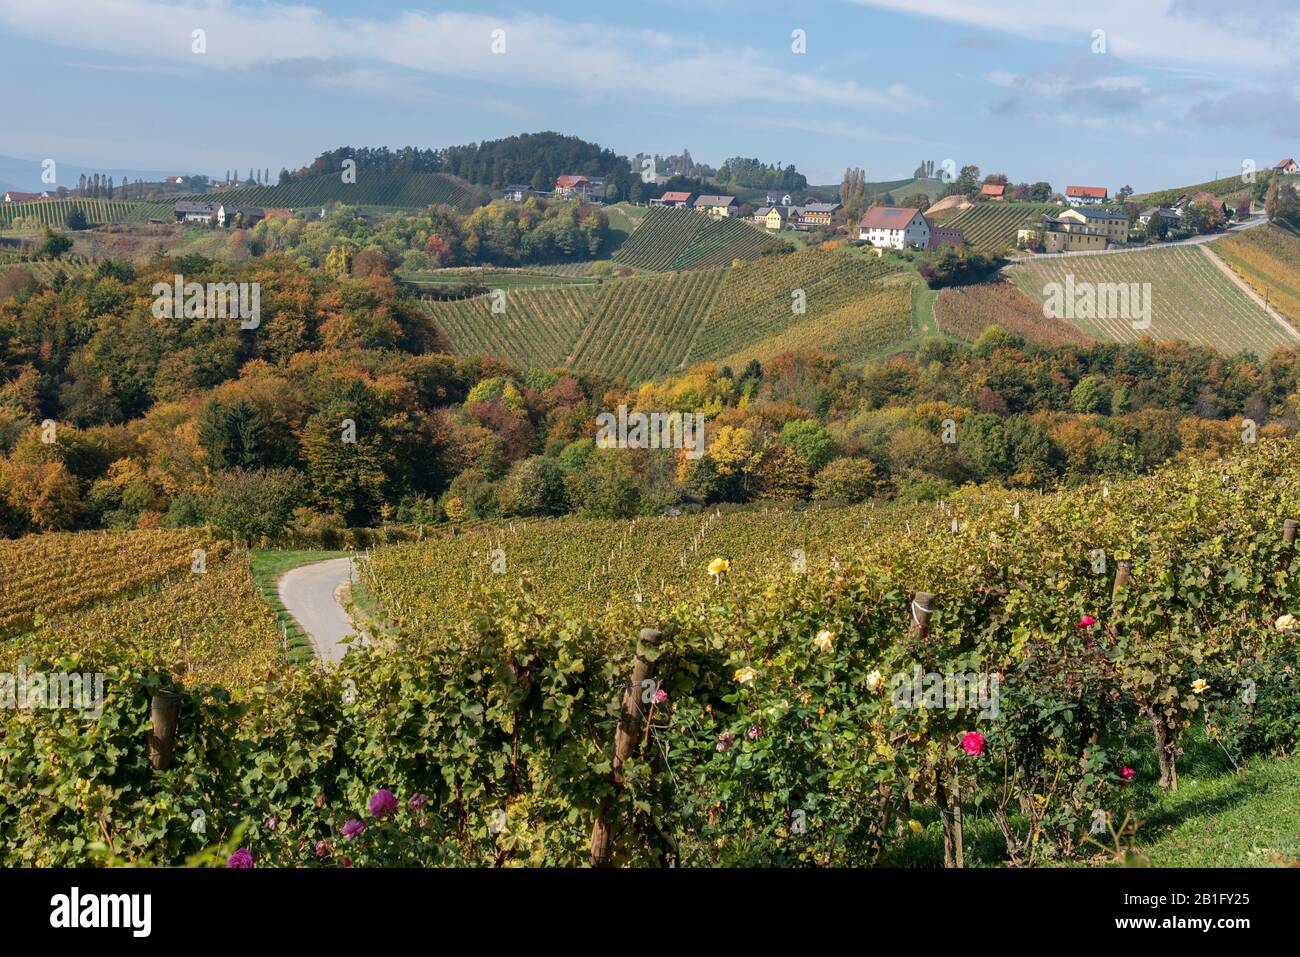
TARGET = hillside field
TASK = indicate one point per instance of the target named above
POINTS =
(394, 190)
(647, 326)
(1191, 299)
(966, 311)
(991, 227)
(672, 239)
(54, 212)
(1268, 258)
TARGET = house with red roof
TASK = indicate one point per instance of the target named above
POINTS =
(14, 196)
(672, 198)
(1086, 195)
(567, 186)
(894, 227)
(1287, 166)
(995, 191)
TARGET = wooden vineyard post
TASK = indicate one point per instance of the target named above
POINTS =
(946, 795)
(1122, 571)
(1288, 542)
(164, 715)
(626, 736)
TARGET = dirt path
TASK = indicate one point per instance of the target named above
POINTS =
(1249, 291)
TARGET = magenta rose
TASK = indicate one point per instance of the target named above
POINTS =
(973, 743)
(241, 859)
(353, 828)
(383, 803)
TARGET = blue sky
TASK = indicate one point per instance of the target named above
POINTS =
(1184, 89)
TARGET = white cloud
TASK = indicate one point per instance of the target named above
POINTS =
(584, 60)
(1154, 31)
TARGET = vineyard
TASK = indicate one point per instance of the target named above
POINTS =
(671, 239)
(966, 311)
(1191, 299)
(44, 270)
(782, 719)
(537, 328)
(1268, 258)
(494, 278)
(991, 227)
(760, 299)
(54, 212)
(398, 190)
(877, 322)
(48, 575)
(642, 327)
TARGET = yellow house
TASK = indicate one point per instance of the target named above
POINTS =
(717, 206)
(1063, 235)
(1113, 223)
(773, 218)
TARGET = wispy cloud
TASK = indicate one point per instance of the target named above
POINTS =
(599, 63)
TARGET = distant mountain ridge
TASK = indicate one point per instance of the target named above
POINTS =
(25, 174)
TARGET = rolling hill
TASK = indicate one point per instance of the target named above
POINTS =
(394, 190)
(991, 227)
(671, 239)
(648, 326)
(1191, 298)
(1268, 258)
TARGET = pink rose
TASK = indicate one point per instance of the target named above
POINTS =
(1127, 774)
(1087, 621)
(973, 743)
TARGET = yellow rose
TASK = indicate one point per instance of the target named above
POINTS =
(745, 675)
(875, 681)
(1286, 623)
(718, 566)
(1199, 685)
(824, 641)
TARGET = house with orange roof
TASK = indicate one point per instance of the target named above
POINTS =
(1086, 195)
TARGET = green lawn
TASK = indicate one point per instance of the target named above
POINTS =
(267, 565)
(1218, 817)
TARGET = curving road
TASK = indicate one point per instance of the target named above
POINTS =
(308, 593)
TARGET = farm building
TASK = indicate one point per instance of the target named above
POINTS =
(778, 199)
(994, 191)
(1062, 235)
(811, 215)
(945, 234)
(672, 198)
(717, 206)
(1287, 166)
(1169, 214)
(1113, 223)
(1086, 195)
(219, 213)
(894, 227)
(772, 217)
(14, 196)
(580, 187)
(191, 212)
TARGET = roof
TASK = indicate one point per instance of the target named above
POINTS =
(888, 217)
(676, 197)
(184, 206)
(1283, 163)
(993, 189)
(820, 207)
(1093, 192)
(1100, 213)
(568, 182)
(714, 200)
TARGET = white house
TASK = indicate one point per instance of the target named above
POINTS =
(894, 228)
(1086, 195)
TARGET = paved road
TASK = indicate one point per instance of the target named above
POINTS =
(308, 593)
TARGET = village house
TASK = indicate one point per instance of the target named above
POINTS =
(1220, 207)
(240, 215)
(187, 211)
(1059, 235)
(191, 212)
(1169, 214)
(1086, 195)
(675, 199)
(771, 217)
(813, 215)
(778, 199)
(568, 186)
(1113, 223)
(717, 206)
(994, 191)
(14, 196)
(1287, 167)
(174, 180)
(892, 227)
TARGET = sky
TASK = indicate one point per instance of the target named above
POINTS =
(1148, 93)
